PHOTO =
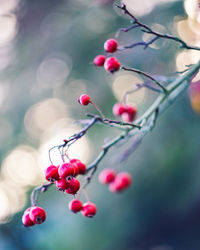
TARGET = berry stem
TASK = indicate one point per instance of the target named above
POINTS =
(98, 109)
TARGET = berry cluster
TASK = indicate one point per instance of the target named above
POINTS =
(111, 64)
(117, 182)
(126, 112)
(33, 215)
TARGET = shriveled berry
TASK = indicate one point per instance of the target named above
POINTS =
(112, 64)
(122, 181)
(51, 173)
(37, 215)
(84, 99)
(110, 45)
(99, 60)
(62, 184)
(26, 220)
(89, 209)
(74, 186)
(66, 169)
(118, 109)
(75, 205)
(107, 176)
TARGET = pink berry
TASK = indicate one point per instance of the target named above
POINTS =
(37, 215)
(107, 176)
(118, 109)
(62, 184)
(74, 186)
(111, 64)
(51, 173)
(99, 60)
(122, 181)
(66, 169)
(75, 206)
(89, 209)
(110, 45)
(26, 220)
(129, 113)
(84, 99)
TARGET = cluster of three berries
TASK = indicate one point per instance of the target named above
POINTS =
(64, 175)
(111, 64)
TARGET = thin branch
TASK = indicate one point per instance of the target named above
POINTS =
(157, 35)
(37, 190)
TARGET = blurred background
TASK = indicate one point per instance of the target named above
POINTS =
(46, 54)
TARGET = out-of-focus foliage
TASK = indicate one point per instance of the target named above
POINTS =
(46, 50)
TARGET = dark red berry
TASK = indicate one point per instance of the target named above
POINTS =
(26, 220)
(81, 166)
(74, 186)
(107, 176)
(37, 215)
(89, 209)
(99, 60)
(110, 45)
(51, 173)
(66, 169)
(75, 206)
(62, 184)
(84, 99)
(112, 64)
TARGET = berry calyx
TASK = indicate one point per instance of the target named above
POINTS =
(62, 184)
(99, 60)
(51, 173)
(74, 186)
(66, 169)
(122, 181)
(37, 215)
(26, 220)
(118, 109)
(75, 205)
(110, 45)
(112, 64)
(107, 176)
(84, 99)
(89, 209)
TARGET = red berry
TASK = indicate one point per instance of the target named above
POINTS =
(75, 206)
(74, 186)
(84, 99)
(51, 173)
(107, 176)
(81, 166)
(110, 45)
(37, 215)
(111, 64)
(89, 209)
(118, 109)
(122, 181)
(66, 169)
(99, 60)
(129, 113)
(62, 184)
(26, 220)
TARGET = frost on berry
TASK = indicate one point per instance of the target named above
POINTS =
(99, 60)
(75, 205)
(89, 209)
(26, 220)
(37, 215)
(110, 45)
(112, 64)
(84, 99)
(107, 176)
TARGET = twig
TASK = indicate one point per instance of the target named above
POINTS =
(37, 190)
